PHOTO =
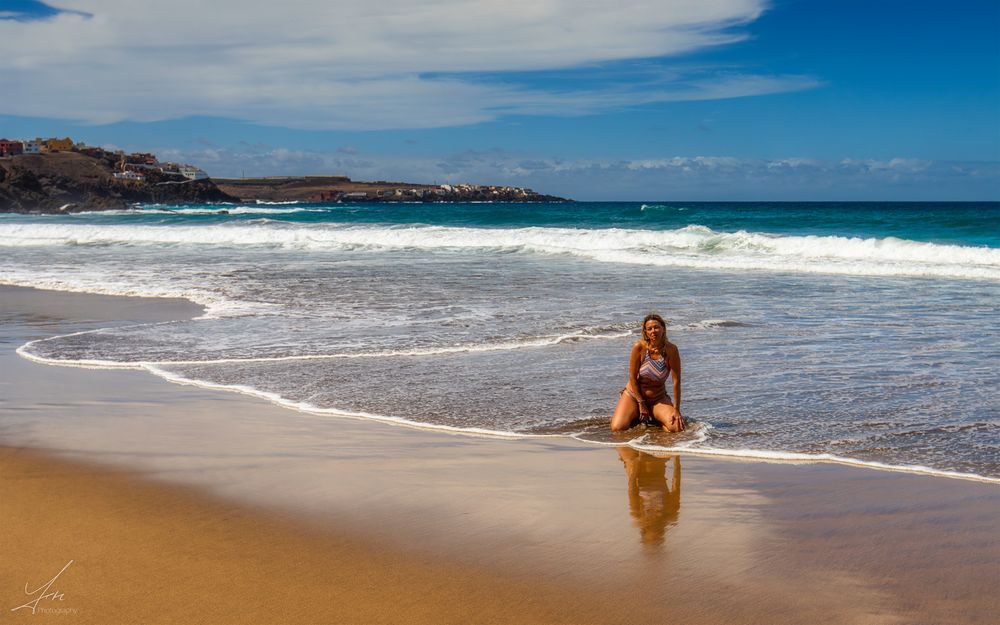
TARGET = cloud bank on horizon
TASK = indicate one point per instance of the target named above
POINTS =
(347, 64)
(678, 178)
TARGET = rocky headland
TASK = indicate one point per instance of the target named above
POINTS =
(74, 181)
(343, 189)
(93, 180)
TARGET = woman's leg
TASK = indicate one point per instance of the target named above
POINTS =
(665, 413)
(626, 412)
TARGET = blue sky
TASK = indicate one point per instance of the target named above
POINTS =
(662, 99)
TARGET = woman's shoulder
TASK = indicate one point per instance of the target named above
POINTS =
(638, 346)
(670, 348)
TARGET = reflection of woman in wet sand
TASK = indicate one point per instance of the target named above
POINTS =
(654, 504)
(644, 398)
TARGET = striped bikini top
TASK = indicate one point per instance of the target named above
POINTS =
(654, 370)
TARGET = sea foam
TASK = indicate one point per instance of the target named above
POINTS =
(692, 246)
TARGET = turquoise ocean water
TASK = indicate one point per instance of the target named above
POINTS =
(860, 332)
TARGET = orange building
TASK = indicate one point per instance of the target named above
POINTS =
(58, 145)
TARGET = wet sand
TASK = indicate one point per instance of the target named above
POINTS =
(182, 505)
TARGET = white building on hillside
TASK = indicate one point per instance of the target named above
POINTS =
(192, 173)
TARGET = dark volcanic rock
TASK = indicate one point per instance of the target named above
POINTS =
(71, 181)
(84, 181)
(342, 189)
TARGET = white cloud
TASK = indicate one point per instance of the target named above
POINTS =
(671, 178)
(354, 64)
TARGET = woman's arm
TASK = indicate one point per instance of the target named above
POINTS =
(675, 373)
(635, 361)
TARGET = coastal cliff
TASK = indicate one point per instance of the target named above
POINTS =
(343, 189)
(74, 181)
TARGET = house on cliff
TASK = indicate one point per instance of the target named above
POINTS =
(141, 158)
(11, 148)
(192, 173)
(129, 176)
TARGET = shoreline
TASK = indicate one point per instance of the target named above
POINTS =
(750, 455)
(467, 529)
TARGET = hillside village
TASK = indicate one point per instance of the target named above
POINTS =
(132, 167)
(60, 175)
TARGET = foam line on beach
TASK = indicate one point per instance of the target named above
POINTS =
(273, 397)
(25, 351)
(766, 455)
(335, 412)
(640, 443)
(693, 246)
(215, 306)
(545, 341)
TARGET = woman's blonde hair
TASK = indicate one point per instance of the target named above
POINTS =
(658, 319)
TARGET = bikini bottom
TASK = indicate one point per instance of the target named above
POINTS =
(655, 400)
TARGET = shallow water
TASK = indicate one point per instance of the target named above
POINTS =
(866, 332)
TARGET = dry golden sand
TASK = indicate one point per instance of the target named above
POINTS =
(181, 505)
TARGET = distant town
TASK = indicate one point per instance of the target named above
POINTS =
(130, 167)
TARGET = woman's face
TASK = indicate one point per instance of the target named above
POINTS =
(654, 330)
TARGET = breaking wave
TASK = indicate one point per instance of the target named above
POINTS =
(692, 246)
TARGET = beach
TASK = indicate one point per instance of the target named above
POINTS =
(671, 313)
(180, 504)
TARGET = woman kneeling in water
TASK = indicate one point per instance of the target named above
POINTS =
(644, 398)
